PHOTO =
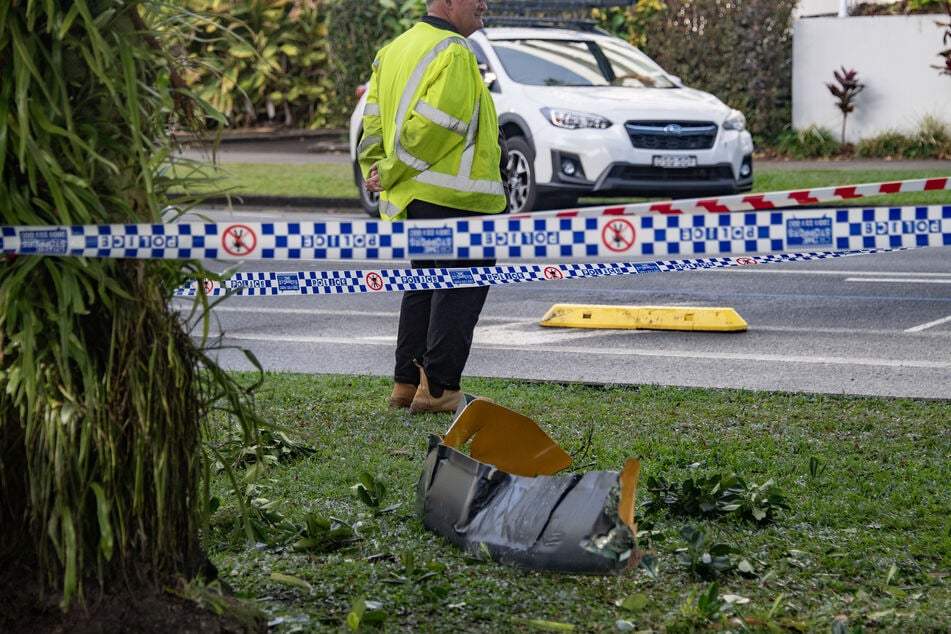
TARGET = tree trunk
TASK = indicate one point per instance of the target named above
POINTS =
(104, 397)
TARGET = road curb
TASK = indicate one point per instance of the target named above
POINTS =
(308, 202)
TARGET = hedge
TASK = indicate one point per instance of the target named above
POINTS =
(297, 63)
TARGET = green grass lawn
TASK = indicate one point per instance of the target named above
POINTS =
(865, 544)
(333, 180)
(268, 179)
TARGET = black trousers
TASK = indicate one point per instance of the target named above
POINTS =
(436, 326)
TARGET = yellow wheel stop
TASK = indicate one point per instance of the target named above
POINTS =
(719, 319)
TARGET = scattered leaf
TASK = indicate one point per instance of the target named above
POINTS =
(635, 602)
(290, 580)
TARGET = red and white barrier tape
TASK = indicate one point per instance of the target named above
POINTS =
(754, 202)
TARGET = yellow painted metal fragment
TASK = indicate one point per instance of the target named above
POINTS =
(506, 439)
(718, 319)
(628, 478)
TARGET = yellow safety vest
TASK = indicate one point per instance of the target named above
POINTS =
(430, 126)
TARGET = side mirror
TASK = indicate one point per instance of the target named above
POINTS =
(487, 76)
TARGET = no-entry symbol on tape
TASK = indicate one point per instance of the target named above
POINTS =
(374, 281)
(553, 273)
(239, 240)
(618, 235)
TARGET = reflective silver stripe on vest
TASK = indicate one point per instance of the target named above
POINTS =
(371, 109)
(463, 181)
(388, 210)
(367, 142)
(441, 118)
(461, 184)
(465, 165)
(415, 79)
(407, 158)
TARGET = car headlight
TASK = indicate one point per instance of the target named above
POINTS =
(575, 120)
(736, 121)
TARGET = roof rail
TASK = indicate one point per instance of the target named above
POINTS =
(518, 6)
(572, 14)
(529, 21)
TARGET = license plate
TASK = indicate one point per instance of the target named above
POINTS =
(675, 161)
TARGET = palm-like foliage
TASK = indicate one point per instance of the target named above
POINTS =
(260, 61)
(103, 395)
(845, 91)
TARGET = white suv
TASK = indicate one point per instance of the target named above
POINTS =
(586, 114)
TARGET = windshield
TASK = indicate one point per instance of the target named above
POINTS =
(538, 62)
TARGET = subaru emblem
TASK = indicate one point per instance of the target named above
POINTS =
(673, 129)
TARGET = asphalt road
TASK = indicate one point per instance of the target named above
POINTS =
(865, 325)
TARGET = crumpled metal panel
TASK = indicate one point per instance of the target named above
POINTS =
(578, 524)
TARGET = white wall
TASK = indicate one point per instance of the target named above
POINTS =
(893, 56)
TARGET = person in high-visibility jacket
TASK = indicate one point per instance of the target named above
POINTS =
(431, 148)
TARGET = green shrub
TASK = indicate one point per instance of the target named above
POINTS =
(889, 144)
(932, 140)
(356, 30)
(904, 7)
(812, 142)
(630, 22)
(929, 6)
(739, 51)
(263, 61)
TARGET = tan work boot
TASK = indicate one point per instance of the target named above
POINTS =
(424, 401)
(402, 395)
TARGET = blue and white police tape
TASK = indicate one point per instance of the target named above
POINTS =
(501, 237)
(384, 280)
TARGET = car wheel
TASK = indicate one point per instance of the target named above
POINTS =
(522, 190)
(369, 201)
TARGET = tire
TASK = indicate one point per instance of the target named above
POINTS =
(369, 202)
(522, 190)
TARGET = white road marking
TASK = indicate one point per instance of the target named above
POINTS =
(771, 271)
(897, 280)
(625, 352)
(502, 333)
(930, 324)
(509, 335)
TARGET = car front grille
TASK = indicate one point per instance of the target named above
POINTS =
(672, 135)
(660, 174)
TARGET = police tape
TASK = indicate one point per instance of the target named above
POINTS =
(499, 236)
(384, 280)
(759, 202)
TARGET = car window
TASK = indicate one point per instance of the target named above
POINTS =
(479, 53)
(631, 67)
(550, 63)
(538, 62)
